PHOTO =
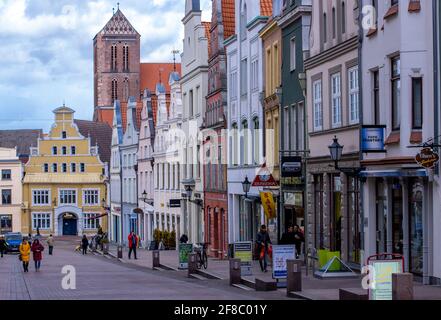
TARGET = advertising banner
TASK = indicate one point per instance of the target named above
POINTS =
(185, 249)
(268, 204)
(280, 255)
(382, 278)
(244, 252)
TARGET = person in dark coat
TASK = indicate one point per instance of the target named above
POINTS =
(288, 237)
(37, 249)
(2, 246)
(84, 244)
(298, 239)
(263, 241)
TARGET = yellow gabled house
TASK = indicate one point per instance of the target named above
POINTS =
(64, 185)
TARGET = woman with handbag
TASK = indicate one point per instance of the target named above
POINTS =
(25, 254)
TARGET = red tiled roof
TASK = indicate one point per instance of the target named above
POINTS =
(228, 18)
(266, 8)
(150, 75)
(100, 134)
(207, 26)
(124, 114)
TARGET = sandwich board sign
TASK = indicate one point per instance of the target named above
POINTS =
(244, 252)
(280, 255)
(185, 249)
(381, 286)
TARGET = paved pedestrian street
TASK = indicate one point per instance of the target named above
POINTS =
(101, 278)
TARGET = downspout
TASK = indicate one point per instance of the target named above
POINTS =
(436, 52)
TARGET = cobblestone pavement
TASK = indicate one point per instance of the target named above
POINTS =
(101, 278)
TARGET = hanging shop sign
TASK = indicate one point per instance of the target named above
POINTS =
(372, 139)
(264, 178)
(175, 203)
(292, 167)
(427, 158)
(268, 204)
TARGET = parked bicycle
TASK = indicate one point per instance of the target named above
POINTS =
(202, 258)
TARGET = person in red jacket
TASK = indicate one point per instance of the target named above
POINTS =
(37, 248)
(133, 244)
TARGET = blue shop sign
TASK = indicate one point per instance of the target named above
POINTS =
(372, 139)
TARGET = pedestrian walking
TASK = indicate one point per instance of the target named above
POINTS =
(50, 243)
(37, 249)
(133, 244)
(25, 254)
(288, 237)
(299, 237)
(84, 244)
(2, 246)
(263, 242)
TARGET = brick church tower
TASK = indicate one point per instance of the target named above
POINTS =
(116, 66)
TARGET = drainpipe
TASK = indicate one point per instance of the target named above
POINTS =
(436, 52)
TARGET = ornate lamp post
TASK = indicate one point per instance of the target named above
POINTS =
(246, 185)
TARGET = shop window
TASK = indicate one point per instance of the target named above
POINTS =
(318, 211)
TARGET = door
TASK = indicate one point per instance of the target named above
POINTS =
(69, 227)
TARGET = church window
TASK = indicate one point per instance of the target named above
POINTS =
(114, 90)
(126, 58)
(114, 56)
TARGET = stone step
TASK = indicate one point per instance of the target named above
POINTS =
(243, 287)
(209, 275)
(197, 276)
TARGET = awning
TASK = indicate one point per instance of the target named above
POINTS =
(394, 173)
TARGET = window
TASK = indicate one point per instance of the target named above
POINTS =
(114, 56)
(90, 221)
(73, 150)
(54, 150)
(46, 168)
(243, 23)
(244, 77)
(334, 24)
(234, 151)
(64, 167)
(393, 2)
(6, 196)
(64, 150)
(293, 55)
(114, 90)
(325, 29)
(54, 168)
(254, 75)
(256, 141)
(126, 89)
(396, 93)
(233, 85)
(82, 167)
(343, 18)
(126, 58)
(417, 103)
(191, 103)
(6, 174)
(68, 197)
(353, 95)
(63, 135)
(376, 96)
(40, 197)
(336, 100)
(73, 167)
(41, 221)
(318, 110)
(91, 197)
(244, 143)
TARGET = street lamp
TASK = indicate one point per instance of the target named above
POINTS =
(302, 80)
(336, 151)
(188, 192)
(246, 185)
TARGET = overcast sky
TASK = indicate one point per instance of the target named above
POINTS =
(46, 52)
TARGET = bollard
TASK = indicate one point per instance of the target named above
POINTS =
(192, 264)
(235, 271)
(402, 286)
(105, 248)
(120, 252)
(294, 276)
(156, 261)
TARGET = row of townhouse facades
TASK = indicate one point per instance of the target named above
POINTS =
(274, 84)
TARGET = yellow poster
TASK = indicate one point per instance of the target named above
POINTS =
(268, 204)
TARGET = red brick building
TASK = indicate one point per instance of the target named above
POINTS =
(215, 171)
(118, 71)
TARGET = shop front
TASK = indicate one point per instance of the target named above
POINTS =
(402, 215)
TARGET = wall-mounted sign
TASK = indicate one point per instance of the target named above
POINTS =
(292, 167)
(264, 178)
(175, 203)
(427, 158)
(372, 139)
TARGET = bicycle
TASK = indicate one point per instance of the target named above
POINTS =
(202, 257)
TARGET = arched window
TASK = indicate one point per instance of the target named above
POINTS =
(245, 143)
(114, 57)
(126, 89)
(114, 90)
(334, 23)
(325, 29)
(126, 58)
(233, 144)
(256, 141)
